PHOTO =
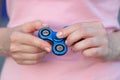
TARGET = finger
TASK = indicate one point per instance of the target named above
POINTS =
(27, 62)
(31, 40)
(94, 52)
(78, 35)
(32, 26)
(87, 43)
(29, 56)
(24, 48)
(68, 30)
(91, 26)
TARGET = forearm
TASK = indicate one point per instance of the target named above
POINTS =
(114, 45)
(4, 41)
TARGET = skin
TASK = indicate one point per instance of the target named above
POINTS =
(26, 49)
(92, 39)
(22, 45)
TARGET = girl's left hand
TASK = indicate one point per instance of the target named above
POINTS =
(90, 37)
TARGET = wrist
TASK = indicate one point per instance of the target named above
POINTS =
(5, 41)
(114, 45)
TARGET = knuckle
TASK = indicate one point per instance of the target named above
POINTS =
(43, 55)
(75, 47)
(95, 52)
(83, 31)
(36, 57)
(32, 49)
(63, 32)
(21, 55)
(105, 41)
(69, 39)
(106, 51)
(90, 42)
(85, 53)
(103, 32)
(19, 62)
(13, 48)
(34, 41)
(101, 52)
(36, 50)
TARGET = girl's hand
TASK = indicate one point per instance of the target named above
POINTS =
(25, 48)
(90, 38)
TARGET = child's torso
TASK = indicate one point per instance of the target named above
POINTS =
(57, 13)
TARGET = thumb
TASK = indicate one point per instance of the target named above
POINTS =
(31, 27)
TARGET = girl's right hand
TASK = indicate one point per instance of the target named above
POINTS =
(25, 48)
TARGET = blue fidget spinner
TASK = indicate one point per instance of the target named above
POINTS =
(59, 47)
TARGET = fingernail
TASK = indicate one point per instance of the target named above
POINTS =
(66, 42)
(59, 34)
(47, 49)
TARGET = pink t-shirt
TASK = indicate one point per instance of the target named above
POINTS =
(59, 13)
